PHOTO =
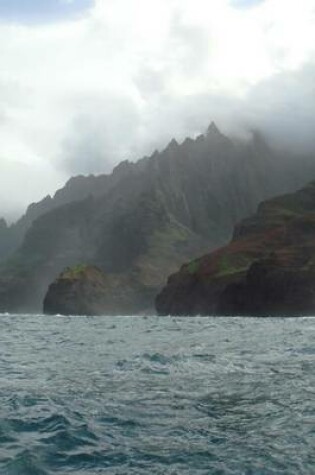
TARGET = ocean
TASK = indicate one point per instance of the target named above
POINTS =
(164, 396)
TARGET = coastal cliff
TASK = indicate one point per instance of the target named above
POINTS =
(267, 269)
(143, 221)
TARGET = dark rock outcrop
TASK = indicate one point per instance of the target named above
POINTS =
(85, 290)
(267, 269)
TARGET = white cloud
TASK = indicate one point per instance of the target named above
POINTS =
(78, 96)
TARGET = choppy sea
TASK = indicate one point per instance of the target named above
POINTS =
(169, 396)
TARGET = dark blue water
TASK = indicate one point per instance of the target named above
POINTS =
(157, 396)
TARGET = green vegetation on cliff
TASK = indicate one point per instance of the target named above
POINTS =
(268, 268)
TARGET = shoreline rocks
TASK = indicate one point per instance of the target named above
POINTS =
(80, 290)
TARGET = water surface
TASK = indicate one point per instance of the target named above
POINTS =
(169, 396)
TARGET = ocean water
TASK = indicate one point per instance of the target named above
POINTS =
(169, 396)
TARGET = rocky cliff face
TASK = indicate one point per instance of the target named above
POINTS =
(76, 189)
(267, 269)
(86, 290)
(146, 218)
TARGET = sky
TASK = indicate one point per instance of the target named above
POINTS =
(41, 11)
(87, 83)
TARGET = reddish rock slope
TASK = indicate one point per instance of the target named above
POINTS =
(267, 269)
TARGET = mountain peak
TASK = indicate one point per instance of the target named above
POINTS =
(122, 168)
(213, 129)
(172, 145)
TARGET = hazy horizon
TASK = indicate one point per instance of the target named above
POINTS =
(86, 84)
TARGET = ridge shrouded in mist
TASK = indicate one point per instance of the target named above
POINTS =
(140, 223)
(119, 79)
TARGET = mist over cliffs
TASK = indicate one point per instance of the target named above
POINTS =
(143, 221)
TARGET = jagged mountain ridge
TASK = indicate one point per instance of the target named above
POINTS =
(147, 218)
(76, 189)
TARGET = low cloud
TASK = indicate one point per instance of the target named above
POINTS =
(103, 132)
(81, 95)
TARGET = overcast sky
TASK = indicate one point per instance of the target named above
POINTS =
(84, 84)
